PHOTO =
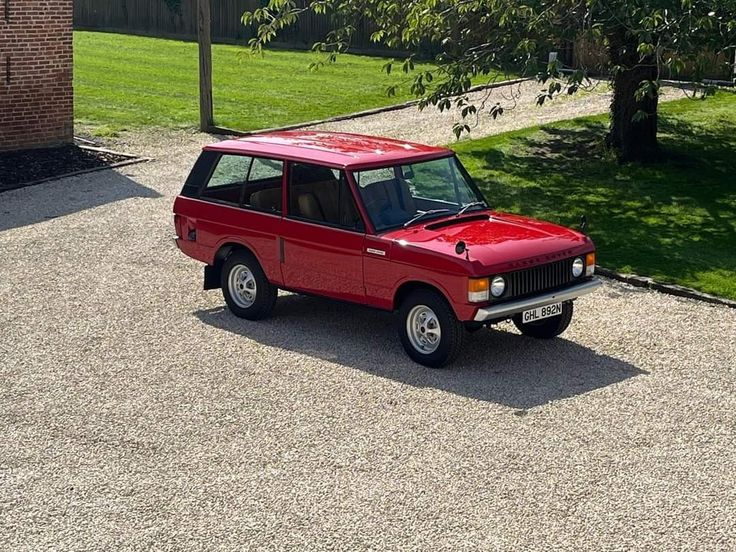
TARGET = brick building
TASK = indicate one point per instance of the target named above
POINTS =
(36, 96)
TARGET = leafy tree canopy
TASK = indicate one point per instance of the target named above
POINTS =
(646, 41)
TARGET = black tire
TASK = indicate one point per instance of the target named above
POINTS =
(472, 327)
(546, 328)
(451, 331)
(263, 291)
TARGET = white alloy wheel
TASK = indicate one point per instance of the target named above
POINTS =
(423, 329)
(242, 286)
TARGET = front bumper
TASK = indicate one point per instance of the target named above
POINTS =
(503, 310)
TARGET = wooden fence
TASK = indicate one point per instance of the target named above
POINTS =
(156, 18)
(593, 56)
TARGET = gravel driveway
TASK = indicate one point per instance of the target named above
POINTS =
(138, 414)
(431, 126)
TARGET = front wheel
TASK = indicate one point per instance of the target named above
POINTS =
(546, 328)
(247, 291)
(429, 330)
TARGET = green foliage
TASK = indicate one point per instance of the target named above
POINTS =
(674, 221)
(476, 37)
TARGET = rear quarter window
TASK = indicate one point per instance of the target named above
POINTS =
(263, 169)
(238, 180)
(227, 180)
(231, 170)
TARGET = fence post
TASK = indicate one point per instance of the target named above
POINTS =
(204, 37)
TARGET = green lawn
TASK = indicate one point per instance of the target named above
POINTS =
(124, 81)
(674, 221)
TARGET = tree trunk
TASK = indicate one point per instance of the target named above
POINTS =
(633, 132)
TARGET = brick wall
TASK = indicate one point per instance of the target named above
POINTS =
(36, 97)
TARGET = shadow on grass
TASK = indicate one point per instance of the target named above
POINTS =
(65, 196)
(495, 366)
(674, 219)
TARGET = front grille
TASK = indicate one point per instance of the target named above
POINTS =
(539, 278)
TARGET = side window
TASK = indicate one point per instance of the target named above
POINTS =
(263, 190)
(231, 170)
(321, 194)
(386, 196)
(266, 168)
(228, 178)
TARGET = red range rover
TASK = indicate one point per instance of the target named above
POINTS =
(394, 225)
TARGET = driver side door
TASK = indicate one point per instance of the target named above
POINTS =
(322, 234)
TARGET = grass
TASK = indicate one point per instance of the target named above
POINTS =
(673, 220)
(123, 82)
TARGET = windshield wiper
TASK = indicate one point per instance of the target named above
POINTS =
(470, 205)
(423, 214)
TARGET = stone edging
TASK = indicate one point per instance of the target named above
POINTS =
(358, 114)
(670, 289)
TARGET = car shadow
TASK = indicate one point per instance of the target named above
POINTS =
(65, 196)
(495, 366)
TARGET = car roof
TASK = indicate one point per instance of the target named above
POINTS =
(336, 149)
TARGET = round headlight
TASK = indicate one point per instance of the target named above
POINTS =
(498, 285)
(578, 265)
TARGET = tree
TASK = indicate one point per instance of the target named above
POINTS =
(646, 41)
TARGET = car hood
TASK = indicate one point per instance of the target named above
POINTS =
(496, 242)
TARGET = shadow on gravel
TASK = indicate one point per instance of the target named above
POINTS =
(58, 198)
(496, 366)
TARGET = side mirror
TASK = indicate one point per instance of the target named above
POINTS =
(583, 223)
(407, 173)
(460, 247)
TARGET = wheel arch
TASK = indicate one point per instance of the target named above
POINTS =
(228, 247)
(213, 271)
(408, 287)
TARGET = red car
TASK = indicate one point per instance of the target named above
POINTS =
(379, 222)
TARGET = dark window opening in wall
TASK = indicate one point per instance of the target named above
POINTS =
(7, 10)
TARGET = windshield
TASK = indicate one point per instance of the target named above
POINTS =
(395, 196)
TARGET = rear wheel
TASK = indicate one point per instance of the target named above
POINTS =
(546, 328)
(247, 291)
(429, 330)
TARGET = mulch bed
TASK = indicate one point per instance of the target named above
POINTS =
(21, 168)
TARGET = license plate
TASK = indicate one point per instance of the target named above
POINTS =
(541, 312)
